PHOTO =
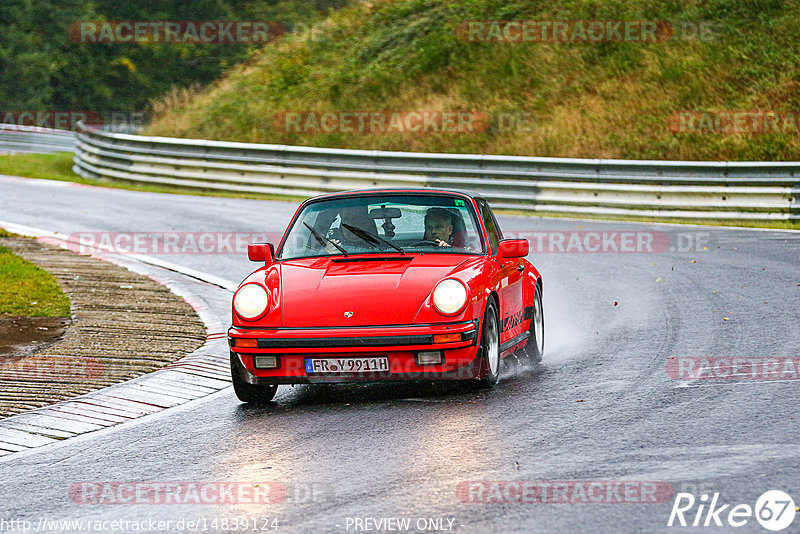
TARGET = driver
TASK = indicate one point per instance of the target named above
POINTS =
(439, 227)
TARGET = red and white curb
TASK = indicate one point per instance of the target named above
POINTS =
(205, 371)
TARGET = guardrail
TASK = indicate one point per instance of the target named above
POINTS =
(653, 189)
(14, 138)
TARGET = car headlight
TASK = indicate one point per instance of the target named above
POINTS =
(251, 301)
(450, 296)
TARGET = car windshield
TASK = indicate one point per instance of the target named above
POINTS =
(396, 224)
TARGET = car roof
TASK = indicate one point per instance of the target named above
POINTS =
(423, 190)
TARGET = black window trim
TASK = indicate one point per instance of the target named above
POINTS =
(481, 204)
(472, 200)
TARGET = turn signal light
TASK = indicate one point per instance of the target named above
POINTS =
(446, 338)
(247, 342)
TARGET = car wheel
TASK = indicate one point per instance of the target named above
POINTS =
(490, 347)
(534, 350)
(250, 393)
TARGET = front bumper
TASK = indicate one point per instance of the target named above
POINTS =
(400, 344)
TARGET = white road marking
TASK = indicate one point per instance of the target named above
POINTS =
(30, 231)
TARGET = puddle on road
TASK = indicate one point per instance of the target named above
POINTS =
(24, 336)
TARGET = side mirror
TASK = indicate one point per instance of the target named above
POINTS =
(261, 252)
(513, 248)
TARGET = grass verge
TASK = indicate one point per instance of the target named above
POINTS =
(28, 290)
(59, 167)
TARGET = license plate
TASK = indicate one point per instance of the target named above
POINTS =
(347, 365)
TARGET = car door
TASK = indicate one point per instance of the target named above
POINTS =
(510, 276)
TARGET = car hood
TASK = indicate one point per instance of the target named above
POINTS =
(378, 291)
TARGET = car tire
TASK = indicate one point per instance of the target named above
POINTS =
(250, 393)
(490, 347)
(534, 349)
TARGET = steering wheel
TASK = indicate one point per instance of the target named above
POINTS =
(426, 242)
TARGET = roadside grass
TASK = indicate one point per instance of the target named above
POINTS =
(28, 290)
(46, 166)
(59, 167)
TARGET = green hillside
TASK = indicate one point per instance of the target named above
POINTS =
(46, 67)
(570, 99)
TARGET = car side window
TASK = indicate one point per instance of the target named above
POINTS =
(492, 229)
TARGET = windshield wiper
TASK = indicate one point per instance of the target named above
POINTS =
(321, 239)
(365, 235)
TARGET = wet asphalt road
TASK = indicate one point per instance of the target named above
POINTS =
(600, 407)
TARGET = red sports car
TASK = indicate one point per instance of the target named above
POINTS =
(387, 284)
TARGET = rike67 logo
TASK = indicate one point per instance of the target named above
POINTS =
(774, 510)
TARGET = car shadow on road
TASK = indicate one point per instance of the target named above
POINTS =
(513, 375)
